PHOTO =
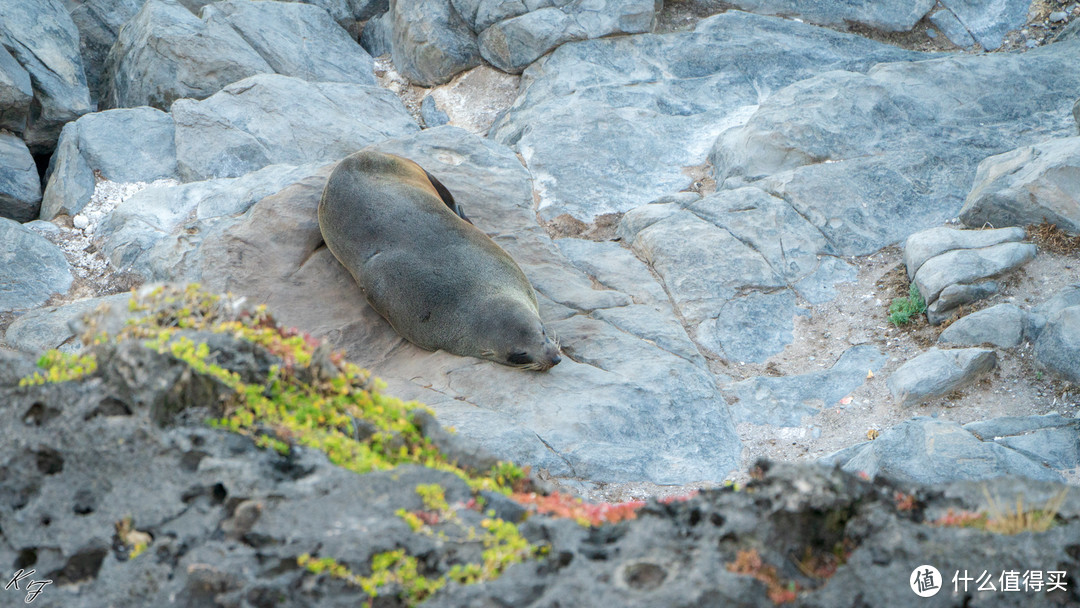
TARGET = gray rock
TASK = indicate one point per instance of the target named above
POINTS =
(295, 39)
(786, 400)
(921, 246)
(970, 266)
(432, 115)
(888, 16)
(947, 22)
(1002, 325)
(101, 142)
(1029, 185)
(989, 20)
(348, 12)
(511, 45)
(1065, 298)
(20, 186)
(614, 267)
(40, 35)
(166, 53)
(1050, 439)
(270, 119)
(45, 328)
(868, 161)
(939, 372)
(640, 109)
(31, 268)
(752, 327)
(99, 23)
(378, 34)
(157, 231)
(430, 42)
(1058, 345)
(709, 250)
(16, 93)
(930, 451)
(956, 295)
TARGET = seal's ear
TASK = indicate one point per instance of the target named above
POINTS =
(445, 195)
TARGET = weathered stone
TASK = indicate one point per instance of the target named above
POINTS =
(50, 327)
(244, 126)
(99, 23)
(430, 42)
(295, 39)
(887, 15)
(1030, 185)
(989, 20)
(869, 161)
(40, 35)
(20, 186)
(970, 266)
(939, 372)
(432, 115)
(16, 93)
(1058, 345)
(611, 124)
(930, 451)
(1050, 439)
(787, 400)
(31, 268)
(955, 295)
(166, 53)
(102, 142)
(1002, 325)
(947, 22)
(378, 34)
(511, 45)
(921, 246)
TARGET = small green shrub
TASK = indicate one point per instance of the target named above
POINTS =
(902, 310)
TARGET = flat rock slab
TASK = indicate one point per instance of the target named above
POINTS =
(1050, 439)
(608, 125)
(296, 39)
(514, 43)
(735, 263)
(938, 372)
(987, 21)
(1002, 325)
(871, 158)
(271, 119)
(20, 186)
(102, 143)
(787, 400)
(932, 451)
(1058, 345)
(43, 39)
(1029, 185)
(887, 15)
(31, 268)
(630, 401)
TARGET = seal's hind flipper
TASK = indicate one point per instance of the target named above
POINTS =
(447, 198)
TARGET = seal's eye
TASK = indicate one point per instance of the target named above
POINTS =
(519, 358)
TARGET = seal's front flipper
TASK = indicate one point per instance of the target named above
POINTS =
(447, 198)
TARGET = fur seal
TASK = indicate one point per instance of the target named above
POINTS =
(440, 281)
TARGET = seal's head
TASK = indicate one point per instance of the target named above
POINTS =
(519, 340)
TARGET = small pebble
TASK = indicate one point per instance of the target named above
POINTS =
(80, 221)
(1031, 44)
(1057, 16)
(931, 33)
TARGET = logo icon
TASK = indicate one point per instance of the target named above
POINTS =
(925, 581)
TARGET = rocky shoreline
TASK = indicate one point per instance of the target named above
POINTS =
(717, 204)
